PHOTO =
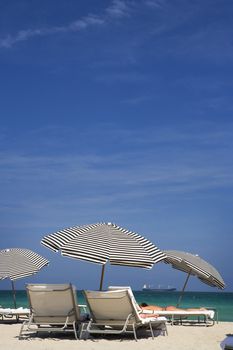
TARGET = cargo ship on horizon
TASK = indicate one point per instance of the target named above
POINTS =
(148, 287)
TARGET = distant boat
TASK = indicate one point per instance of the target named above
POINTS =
(150, 288)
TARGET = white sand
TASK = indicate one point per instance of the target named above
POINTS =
(179, 338)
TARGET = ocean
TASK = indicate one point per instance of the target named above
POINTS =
(221, 301)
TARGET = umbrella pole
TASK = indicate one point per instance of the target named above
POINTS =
(13, 292)
(102, 277)
(182, 292)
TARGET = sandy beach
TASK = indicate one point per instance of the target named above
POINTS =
(179, 338)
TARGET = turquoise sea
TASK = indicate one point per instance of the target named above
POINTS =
(223, 302)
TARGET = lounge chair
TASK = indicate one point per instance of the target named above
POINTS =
(178, 315)
(207, 316)
(130, 293)
(53, 309)
(115, 312)
(8, 313)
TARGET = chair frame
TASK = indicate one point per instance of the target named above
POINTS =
(7, 314)
(203, 316)
(132, 322)
(179, 316)
(71, 320)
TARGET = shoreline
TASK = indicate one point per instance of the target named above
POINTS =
(186, 337)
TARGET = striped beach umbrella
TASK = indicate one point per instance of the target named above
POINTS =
(195, 266)
(16, 263)
(104, 242)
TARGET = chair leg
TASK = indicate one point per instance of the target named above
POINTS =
(81, 327)
(151, 330)
(75, 331)
(134, 332)
(21, 329)
(166, 331)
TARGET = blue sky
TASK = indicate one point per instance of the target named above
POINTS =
(118, 111)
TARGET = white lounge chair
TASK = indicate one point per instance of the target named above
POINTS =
(53, 309)
(8, 313)
(130, 293)
(207, 315)
(115, 312)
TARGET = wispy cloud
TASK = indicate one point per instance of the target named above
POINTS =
(211, 41)
(23, 35)
(149, 163)
(66, 185)
(155, 3)
(117, 9)
(148, 166)
(208, 43)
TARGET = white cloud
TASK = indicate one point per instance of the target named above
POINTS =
(23, 35)
(90, 20)
(155, 3)
(150, 166)
(117, 9)
(200, 162)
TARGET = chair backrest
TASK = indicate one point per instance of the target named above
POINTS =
(130, 293)
(52, 303)
(114, 305)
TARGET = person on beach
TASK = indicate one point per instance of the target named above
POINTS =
(145, 306)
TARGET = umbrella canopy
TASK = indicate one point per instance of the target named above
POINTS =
(196, 266)
(17, 263)
(103, 242)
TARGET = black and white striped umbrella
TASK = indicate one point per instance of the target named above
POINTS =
(103, 242)
(17, 263)
(196, 266)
